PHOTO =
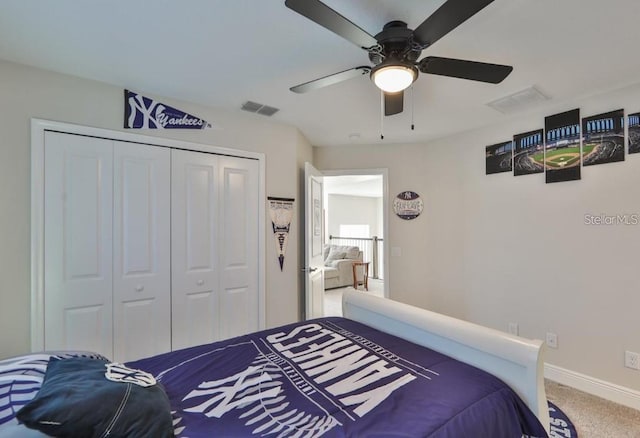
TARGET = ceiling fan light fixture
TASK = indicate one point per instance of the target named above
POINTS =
(393, 78)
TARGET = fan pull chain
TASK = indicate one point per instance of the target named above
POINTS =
(412, 108)
(381, 115)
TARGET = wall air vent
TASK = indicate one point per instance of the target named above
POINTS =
(254, 107)
(518, 101)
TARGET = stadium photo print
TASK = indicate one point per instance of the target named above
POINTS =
(562, 146)
(603, 138)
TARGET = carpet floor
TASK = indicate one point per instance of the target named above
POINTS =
(594, 417)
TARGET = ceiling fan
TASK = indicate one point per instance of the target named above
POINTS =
(394, 51)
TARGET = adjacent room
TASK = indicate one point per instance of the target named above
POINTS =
(354, 218)
(290, 213)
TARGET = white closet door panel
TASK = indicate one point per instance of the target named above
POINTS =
(194, 248)
(199, 188)
(83, 329)
(138, 329)
(78, 196)
(141, 244)
(237, 317)
(200, 318)
(239, 236)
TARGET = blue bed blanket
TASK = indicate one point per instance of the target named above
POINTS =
(333, 377)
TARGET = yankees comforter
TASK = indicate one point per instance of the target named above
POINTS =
(333, 377)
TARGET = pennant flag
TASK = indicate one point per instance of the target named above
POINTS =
(281, 211)
(144, 113)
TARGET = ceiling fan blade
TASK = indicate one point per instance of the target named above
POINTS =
(448, 16)
(330, 79)
(326, 17)
(393, 103)
(459, 68)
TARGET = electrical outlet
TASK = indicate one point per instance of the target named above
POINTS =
(632, 360)
(513, 328)
(552, 340)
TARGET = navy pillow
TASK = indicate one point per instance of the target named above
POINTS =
(21, 378)
(77, 400)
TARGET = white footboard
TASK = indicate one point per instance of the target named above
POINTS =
(516, 361)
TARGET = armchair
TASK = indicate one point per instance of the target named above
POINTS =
(338, 260)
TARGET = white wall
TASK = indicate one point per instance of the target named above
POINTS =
(27, 93)
(496, 249)
(353, 210)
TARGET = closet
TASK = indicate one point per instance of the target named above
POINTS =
(146, 248)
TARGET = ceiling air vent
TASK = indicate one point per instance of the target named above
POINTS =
(518, 101)
(254, 107)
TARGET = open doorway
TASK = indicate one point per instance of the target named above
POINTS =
(354, 216)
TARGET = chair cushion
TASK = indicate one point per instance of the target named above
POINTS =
(335, 254)
(350, 252)
(325, 252)
(331, 273)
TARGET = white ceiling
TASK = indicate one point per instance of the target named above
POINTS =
(221, 53)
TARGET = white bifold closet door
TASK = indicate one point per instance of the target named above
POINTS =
(141, 251)
(214, 235)
(107, 246)
(147, 249)
(78, 274)
(238, 246)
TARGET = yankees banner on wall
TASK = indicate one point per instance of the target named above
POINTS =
(145, 113)
(281, 211)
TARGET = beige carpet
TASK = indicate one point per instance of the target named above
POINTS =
(592, 416)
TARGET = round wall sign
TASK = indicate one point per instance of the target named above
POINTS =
(407, 205)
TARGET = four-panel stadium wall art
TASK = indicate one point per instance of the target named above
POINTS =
(555, 150)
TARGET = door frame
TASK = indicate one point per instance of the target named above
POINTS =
(384, 172)
(313, 263)
(38, 129)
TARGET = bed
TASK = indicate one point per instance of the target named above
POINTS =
(367, 374)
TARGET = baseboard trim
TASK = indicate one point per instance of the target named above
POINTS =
(607, 390)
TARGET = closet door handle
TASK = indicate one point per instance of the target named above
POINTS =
(139, 288)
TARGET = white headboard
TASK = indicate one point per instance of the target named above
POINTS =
(516, 361)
